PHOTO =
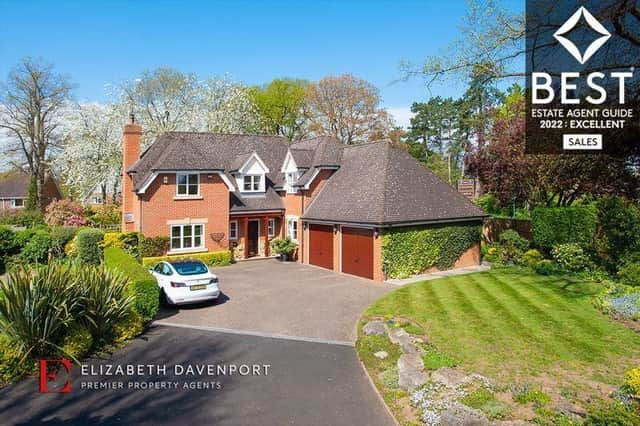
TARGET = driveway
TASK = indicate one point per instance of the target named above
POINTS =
(308, 384)
(283, 299)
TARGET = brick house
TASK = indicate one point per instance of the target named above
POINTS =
(14, 190)
(211, 192)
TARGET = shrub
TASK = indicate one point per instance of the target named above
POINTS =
(89, 246)
(112, 239)
(629, 274)
(65, 212)
(12, 363)
(612, 414)
(216, 258)
(562, 225)
(131, 327)
(104, 301)
(546, 267)
(489, 203)
(625, 306)
(25, 217)
(490, 253)
(154, 246)
(283, 246)
(37, 308)
(60, 236)
(107, 214)
(142, 285)
(36, 250)
(412, 250)
(526, 394)
(512, 246)
(570, 257)
(389, 378)
(632, 382)
(71, 248)
(531, 258)
(8, 245)
(619, 223)
(131, 242)
(77, 343)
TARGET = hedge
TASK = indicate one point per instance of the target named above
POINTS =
(411, 250)
(215, 258)
(89, 246)
(562, 225)
(142, 285)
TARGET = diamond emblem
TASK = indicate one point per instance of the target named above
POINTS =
(571, 24)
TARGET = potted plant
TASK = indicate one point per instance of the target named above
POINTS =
(284, 247)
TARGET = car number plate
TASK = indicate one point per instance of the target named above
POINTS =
(198, 287)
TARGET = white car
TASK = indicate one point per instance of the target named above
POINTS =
(183, 281)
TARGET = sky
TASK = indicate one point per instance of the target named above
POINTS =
(97, 43)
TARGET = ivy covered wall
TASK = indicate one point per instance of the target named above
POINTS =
(411, 250)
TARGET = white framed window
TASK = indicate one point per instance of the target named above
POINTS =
(186, 237)
(187, 184)
(271, 227)
(252, 183)
(292, 228)
(17, 203)
(233, 230)
(290, 179)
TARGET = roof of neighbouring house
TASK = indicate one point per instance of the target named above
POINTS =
(379, 184)
(14, 184)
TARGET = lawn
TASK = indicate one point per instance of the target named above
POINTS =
(519, 328)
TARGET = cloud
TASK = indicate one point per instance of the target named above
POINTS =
(402, 115)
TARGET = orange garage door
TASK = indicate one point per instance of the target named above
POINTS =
(321, 245)
(357, 252)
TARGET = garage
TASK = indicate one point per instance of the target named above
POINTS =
(321, 245)
(357, 252)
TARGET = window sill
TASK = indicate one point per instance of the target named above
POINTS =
(187, 251)
(187, 197)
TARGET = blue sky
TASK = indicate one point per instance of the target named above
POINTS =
(102, 42)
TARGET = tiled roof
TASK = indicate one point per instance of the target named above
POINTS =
(14, 184)
(379, 184)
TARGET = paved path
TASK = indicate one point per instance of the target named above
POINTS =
(440, 274)
(283, 298)
(308, 384)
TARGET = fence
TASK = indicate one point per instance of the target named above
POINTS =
(494, 227)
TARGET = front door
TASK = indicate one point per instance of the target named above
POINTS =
(254, 234)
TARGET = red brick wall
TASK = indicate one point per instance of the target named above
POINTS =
(160, 205)
(130, 154)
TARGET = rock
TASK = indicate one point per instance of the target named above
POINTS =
(570, 409)
(381, 354)
(411, 373)
(399, 336)
(510, 423)
(460, 415)
(448, 376)
(374, 328)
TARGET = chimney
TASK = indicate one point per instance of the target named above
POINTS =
(130, 154)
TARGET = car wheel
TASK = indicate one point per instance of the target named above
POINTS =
(164, 299)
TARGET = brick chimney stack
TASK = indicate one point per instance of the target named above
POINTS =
(130, 154)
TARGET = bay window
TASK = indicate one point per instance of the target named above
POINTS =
(185, 237)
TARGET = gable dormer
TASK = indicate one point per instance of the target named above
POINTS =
(251, 174)
(291, 172)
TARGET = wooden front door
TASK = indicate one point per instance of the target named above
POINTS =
(357, 252)
(252, 238)
(321, 245)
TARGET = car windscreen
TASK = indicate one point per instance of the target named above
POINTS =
(190, 268)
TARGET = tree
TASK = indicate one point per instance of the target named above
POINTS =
(349, 109)
(282, 105)
(225, 106)
(31, 103)
(92, 154)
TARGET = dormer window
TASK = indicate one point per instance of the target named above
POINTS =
(253, 183)
(187, 184)
(290, 179)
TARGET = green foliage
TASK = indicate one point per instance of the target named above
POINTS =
(612, 414)
(112, 239)
(108, 214)
(154, 246)
(8, 246)
(12, 364)
(31, 203)
(36, 250)
(570, 257)
(489, 203)
(280, 104)
(632, 382)
(60, 236)
(412, 250)
(389, 378)
(128, 329)
(37, 308)
(484, 400)
(105, 304)
(215, 258)
(130, 242)
(77, 343)
(562, 225)
(511, 246)
(21, 217)
(283, 246)
(629, 274)
(89, 246)
(531, 258)
(413, 329)
(546, 267)
(142, 285)
(527, 394)
(619, 223)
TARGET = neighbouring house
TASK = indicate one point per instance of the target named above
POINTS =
(211, 192)
(14, 189)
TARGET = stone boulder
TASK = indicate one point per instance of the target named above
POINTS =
(460, 415)
(411, 373)
(399, 336)
(449, 377)
(375, 328)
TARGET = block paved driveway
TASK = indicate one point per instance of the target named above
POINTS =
(283, 298)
